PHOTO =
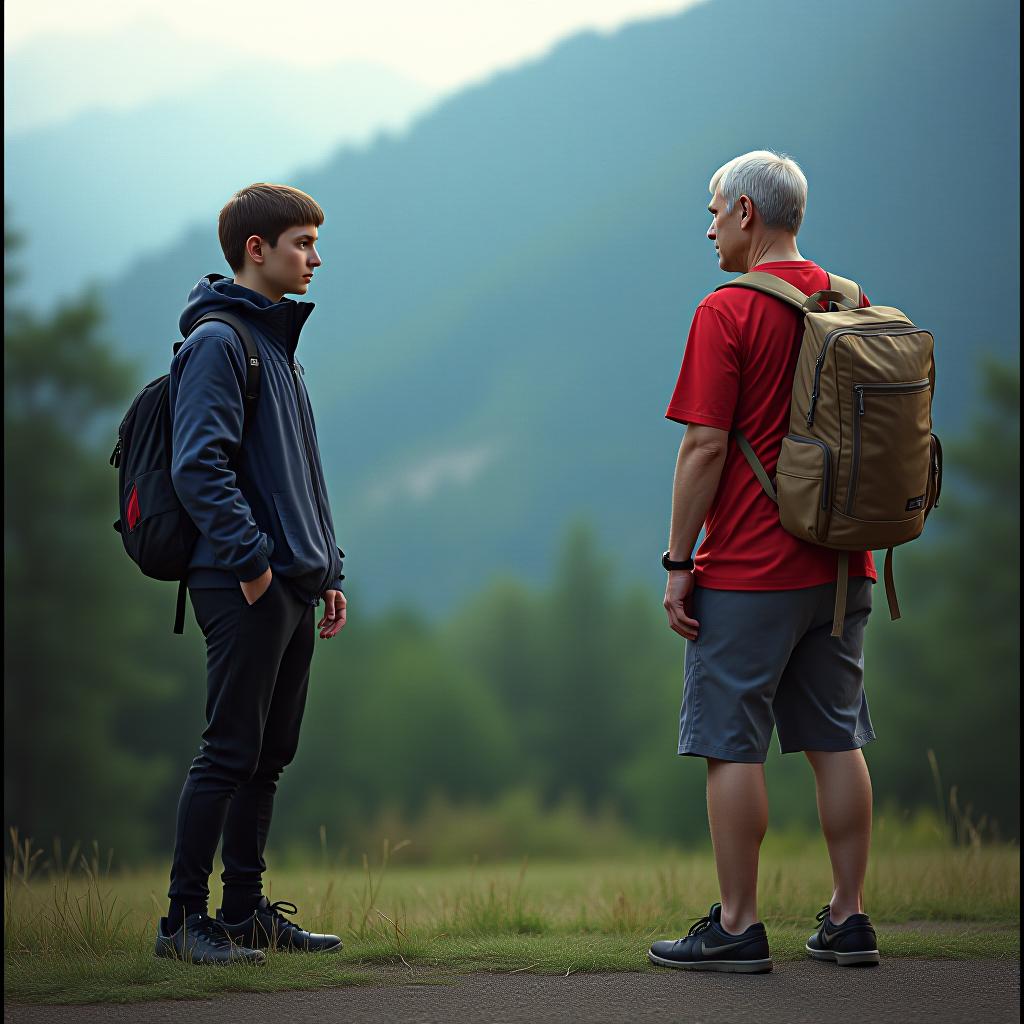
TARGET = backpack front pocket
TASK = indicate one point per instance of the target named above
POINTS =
(891, 458)
(155, 530)
(804, 486)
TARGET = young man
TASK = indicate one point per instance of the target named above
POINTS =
(756, 604)
(251, 480)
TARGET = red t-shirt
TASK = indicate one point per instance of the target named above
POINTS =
(737, 374)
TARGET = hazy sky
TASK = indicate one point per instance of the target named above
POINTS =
(441, 43)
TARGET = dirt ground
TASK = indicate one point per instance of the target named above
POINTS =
(900, 991)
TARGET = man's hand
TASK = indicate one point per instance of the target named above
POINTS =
(334, 614)
(253, 590)
(677, 595)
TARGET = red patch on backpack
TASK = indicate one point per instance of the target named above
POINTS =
(132, 513)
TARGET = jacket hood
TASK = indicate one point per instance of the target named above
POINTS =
(280, 322)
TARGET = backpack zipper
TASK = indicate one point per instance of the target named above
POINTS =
(820, 362)
(907, 388)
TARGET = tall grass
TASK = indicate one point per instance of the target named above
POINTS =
(79, 914)
(923, 868)
(76, 930)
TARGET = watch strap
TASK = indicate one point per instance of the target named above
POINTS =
(669, 565)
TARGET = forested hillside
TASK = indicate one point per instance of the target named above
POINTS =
(506, 288)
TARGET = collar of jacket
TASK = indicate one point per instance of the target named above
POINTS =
(279, 323)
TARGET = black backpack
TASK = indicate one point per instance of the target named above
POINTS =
(155, 529)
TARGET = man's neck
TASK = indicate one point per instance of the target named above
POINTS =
(255, 284)
(774, 249)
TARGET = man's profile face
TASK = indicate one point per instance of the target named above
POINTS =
(288, 267)
(725, 232)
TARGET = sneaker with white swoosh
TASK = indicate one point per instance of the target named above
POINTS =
(849, 944)
(708, 947)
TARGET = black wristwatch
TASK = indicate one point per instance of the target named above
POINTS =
(671, 566)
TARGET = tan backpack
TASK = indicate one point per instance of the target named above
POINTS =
(860, 468)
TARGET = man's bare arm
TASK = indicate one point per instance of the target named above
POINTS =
(698, 472)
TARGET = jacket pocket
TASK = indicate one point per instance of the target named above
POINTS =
(803, 484)
(291, 532)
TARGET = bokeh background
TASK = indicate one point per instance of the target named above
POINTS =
(514, 244)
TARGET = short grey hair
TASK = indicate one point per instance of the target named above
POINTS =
(773, 181)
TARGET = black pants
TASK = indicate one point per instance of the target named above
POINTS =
(258, 660)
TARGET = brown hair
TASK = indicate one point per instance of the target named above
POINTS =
(264, 210)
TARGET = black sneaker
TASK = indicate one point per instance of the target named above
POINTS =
(848, 944)
(708, 947)
(266, 927)
(201, 940)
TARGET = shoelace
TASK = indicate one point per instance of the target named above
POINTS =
(700, 925)
(278, 909)
(823, 913)
(208, 929)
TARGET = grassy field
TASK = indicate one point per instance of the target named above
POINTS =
(86, 935)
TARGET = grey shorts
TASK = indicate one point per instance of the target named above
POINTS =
(764, 658)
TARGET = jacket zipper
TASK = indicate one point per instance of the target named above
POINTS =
(312, 476)
(820, 362)
(858, 389)
(828, 463)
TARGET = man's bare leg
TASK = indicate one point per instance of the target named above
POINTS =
(738, 817)
(844, 807)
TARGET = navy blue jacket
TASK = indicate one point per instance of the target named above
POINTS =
(261, 501)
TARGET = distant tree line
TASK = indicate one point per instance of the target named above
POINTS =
(566, 691)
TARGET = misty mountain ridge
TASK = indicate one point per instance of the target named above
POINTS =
(130, 180)
(507, 287)
(53, 77)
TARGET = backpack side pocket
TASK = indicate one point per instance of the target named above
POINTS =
(804, 485)
(934, 476)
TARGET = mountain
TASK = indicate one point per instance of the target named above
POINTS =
(507, 286)
(108, 183)
(53, 77)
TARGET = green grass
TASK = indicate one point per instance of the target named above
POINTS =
(86, 936)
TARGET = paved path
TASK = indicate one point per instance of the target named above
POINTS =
(899, 991)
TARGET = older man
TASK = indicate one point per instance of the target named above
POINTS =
(755, 604)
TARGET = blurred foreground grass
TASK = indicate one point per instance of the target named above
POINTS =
(85, 933)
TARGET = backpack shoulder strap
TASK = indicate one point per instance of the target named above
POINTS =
(755, 464)
(770, 285)
(252, 356)
(849, 288)
(775, 286)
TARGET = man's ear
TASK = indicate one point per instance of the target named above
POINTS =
(746, 211)
(254, 248)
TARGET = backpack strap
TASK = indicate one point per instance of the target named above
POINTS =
(780, 289)
(842, 584)
(770, 285)
(841, 588)
(179, 610)
(252, 357)
(850, 289)
(890, 588)
(755, 464)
